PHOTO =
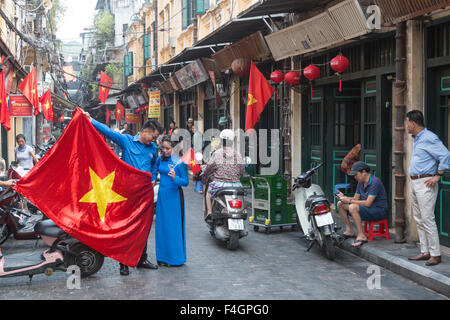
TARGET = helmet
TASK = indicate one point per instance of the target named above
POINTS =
(227, 134)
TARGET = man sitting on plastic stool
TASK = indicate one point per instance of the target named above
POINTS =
(368, 204)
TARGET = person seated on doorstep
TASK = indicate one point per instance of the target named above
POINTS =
(368, 204)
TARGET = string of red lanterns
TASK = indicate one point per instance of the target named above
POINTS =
(339, 64)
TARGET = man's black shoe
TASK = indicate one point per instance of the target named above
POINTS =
(147, 265)
(124, 271)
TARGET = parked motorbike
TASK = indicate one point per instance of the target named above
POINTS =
(63, 252)
(226, 222)
(14, 220)
(41, 151)
(314, 214)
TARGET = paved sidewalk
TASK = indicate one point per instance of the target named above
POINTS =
(394, 257)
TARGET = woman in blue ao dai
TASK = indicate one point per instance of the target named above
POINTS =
(170, 230)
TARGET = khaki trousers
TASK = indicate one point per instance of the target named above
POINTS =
(423, 201)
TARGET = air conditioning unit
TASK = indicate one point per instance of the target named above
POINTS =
(172, 42)
(29, 25)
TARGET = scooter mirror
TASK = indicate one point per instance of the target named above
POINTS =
(248, 160)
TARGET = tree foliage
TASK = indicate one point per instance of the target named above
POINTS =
(104, 23)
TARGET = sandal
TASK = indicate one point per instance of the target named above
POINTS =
(359, 241)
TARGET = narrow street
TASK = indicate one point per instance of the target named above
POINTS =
(270, 266)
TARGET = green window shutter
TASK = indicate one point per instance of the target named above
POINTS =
(185, 14)
(131, 62)
(147, 46)
(202, 6)
(154, 36)
(125, 65)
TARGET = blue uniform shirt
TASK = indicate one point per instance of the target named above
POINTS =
(373, 188)
(134, 152)
(429, 154)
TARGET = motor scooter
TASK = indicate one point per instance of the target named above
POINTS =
(14, 220)
(314, 214)
(63, 252)
(226, 222)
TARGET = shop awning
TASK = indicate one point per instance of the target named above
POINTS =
(282, 6)
(236, 29)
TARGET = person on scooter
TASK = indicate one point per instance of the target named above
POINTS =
(368, 204)
(226, 167)
(140, 152)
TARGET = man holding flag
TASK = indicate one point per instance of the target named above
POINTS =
(140, 152)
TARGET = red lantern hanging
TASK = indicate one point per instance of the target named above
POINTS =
(241, 67)
(339, 64)
(292, 78)
(277, 76)
(311, 72)
(61, 119)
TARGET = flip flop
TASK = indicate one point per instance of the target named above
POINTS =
(360, 245)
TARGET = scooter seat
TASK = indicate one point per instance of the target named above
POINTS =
(48, 228)
(230, 191)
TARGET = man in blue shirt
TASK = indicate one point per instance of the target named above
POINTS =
(140, 152)
(368, 204)
(428, 161)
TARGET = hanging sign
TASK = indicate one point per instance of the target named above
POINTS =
(131, 117)
(19, 106)
(154, 104)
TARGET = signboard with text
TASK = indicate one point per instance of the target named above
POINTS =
(154, 104)
(131, 117)
(19, 106)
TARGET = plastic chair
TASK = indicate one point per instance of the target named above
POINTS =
(383, 229)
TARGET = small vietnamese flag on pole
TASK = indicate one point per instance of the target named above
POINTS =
(103, 92)
(259, 93)
(191, 161)
(29, 89)
(46, 103)
(120, 111)
(4, 113)
(108, 115)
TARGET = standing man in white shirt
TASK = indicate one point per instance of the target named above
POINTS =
(428, 161)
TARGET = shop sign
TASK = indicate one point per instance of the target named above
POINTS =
(154, 105)
(19, 106)
(131, 117)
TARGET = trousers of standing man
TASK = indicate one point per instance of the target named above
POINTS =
(423, 200)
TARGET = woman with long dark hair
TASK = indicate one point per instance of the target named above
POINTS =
(170, 231)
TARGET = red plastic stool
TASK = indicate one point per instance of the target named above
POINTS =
(383, 229)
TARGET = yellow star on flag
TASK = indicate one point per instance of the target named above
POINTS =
(251, 100)
(46, 105)
(102, 193)
(103, 89)
(118, 111)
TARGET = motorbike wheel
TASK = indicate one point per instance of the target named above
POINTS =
(328, 246)
(233, 243)
(87, 259)
(4, 232)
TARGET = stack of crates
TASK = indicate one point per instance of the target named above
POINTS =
(281, 213)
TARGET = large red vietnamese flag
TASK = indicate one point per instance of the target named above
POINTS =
(103, 92)
(259, 93)
(29, 89)
(91, 194)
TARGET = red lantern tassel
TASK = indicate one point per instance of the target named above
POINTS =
(312, 96)
(340, 85)
(276, 93)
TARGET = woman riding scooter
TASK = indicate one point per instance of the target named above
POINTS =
(226, 167)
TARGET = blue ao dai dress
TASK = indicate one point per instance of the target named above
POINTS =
(170, 231)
